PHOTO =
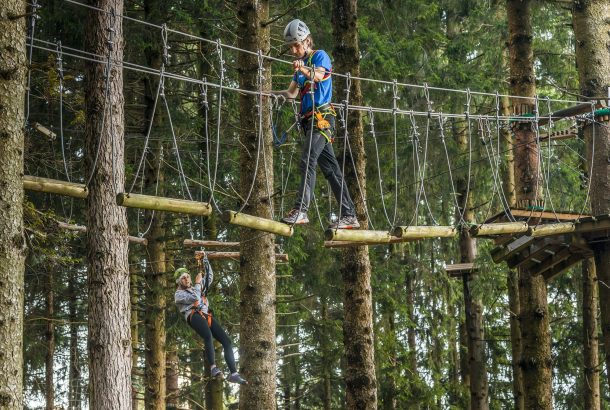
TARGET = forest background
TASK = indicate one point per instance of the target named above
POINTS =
(193, 143)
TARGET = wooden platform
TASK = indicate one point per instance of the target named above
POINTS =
(457, 270)
(553, 254)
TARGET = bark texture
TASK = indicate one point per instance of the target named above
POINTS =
(359, 375)
(12, 244)
(50, 341)
(108, 281)
(257, 259)
(591, 22)
(590, 339)
(535, 360)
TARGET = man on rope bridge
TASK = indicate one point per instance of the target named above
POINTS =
(193, 303)
(312, 82)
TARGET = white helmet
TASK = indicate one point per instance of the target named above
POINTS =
(296, 31)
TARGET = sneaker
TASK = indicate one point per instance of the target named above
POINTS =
(346, 222)
(216, 373)
(236, 378)
(295, 217)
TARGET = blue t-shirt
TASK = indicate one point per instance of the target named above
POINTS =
(323, 90)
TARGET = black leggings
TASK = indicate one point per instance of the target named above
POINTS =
(206, 332)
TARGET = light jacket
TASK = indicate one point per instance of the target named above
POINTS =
(185, 299)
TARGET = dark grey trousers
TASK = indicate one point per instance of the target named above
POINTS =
(317, 150)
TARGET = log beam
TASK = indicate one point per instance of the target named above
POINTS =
(195, 243)
(257, 223)
(157, 203)
(53, 186)
(279, 257)
(83, 229)
(579, 109)
(551, 229)
(421, 232)
(499, 228)
(365, 237)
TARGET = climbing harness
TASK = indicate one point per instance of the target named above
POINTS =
(197, 306)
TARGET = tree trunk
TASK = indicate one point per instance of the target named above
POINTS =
(535, 332)
(135, 336)
(590, 336)
(257, 262)
(12, 243)
(50, 339)
(154, 316)
(196, 379)
(515, 337)
(412, 372)
(390, 391)
(74, 374)
(479, 398)
(171, 376)
(155, 302)
(513, 275)
(590, 21)
(213, 388)
(360, 378)
(108, 283)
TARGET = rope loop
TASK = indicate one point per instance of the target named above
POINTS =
(372, 121)
(165, 45)
(35, 7)
(467, 105)
(203, 93)
(415, 132)
(220, 58)
(59, 62)
(111, 30)
(395, 97)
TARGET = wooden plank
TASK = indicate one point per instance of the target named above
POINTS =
(593, 224)
(257, 223)
(53, 186)
(536, 251)
(422, 232)
(562, 216)
(552, 261)
(504, 252)
(526, 213)
(158, 203)
(458, 269)
(566, 264)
